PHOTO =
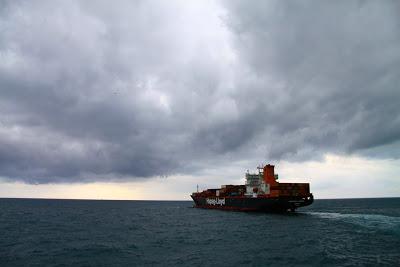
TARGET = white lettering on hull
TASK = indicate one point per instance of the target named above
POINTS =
(216, 201)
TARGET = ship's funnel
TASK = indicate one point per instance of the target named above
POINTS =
(269, 174)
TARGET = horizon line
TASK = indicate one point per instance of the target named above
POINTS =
(165, 200)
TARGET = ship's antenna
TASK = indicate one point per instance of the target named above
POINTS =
(197, 188)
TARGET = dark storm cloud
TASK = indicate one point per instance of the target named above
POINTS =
(336, 69)
(90, 91)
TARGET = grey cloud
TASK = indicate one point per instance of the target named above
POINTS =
(90, 91)
(336, 67)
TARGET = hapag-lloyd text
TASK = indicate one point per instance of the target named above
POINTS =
(215, 201)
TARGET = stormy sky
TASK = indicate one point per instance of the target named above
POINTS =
(94, 92)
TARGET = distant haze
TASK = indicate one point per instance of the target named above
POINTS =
(97, 92)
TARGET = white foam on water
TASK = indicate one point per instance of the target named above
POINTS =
(374, 221)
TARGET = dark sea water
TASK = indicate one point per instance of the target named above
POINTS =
(348, 232)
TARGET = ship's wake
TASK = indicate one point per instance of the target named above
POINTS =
(371, 221)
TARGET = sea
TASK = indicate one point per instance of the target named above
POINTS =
(339, 232)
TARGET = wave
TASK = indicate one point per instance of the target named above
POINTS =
(372, 221)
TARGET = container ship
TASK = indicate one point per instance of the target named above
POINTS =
(261, 192)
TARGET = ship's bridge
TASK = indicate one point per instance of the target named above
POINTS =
(256, 183)
(253, 179)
